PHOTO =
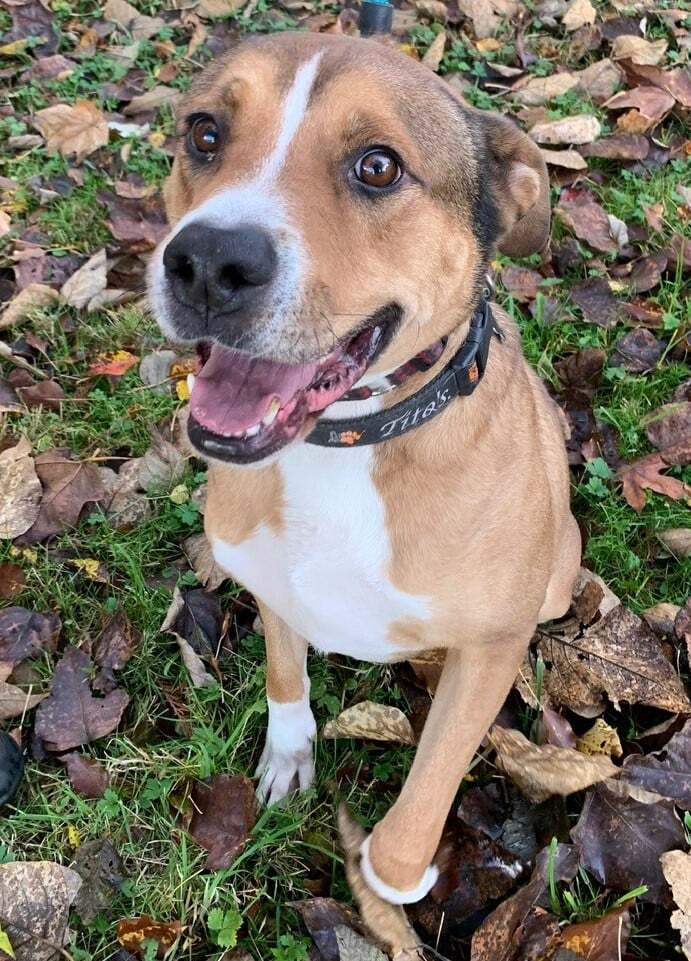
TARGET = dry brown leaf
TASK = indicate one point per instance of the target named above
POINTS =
(569, 159)
(35, 899)
(73, 129)
(651, 103)
(676, 867)
(20, 491)
(376, 722)
(132, 932)
(539, 90)
(579, 129)
(432, 9)
(646, 474)
(151, 100)
(14, 701)
(225, 811)
(193, 662)
(677, 540)
(87, 282)
(32, 297)
(638, 49)
(435, 53)
(578, 14)
(212, 9)
(128, 18)
(387, 922)
(602, 939)
(600, 79)
(198, 550)
(588, 221)
(540, 771)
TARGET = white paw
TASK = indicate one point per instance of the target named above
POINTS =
(287, 762)
(280, 774)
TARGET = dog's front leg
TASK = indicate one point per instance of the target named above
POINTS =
(397, 857)
(287, 762)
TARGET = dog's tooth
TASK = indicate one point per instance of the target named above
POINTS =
(190, 382)
(252, 431)
(270, 416)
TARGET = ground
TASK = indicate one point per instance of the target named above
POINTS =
(60, 208)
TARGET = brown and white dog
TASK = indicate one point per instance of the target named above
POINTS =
(335, 207)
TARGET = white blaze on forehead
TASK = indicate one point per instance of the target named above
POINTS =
(294, 110)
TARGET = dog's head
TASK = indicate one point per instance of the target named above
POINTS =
(334, 208)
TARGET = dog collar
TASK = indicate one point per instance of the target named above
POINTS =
(458, 378)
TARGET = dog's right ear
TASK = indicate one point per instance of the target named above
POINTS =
(518, 186)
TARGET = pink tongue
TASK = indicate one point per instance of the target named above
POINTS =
(233, 391)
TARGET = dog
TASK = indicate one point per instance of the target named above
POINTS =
(386, 473)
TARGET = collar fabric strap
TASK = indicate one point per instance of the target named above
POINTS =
(458, 378)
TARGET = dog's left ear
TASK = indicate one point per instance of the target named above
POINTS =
(519, 186)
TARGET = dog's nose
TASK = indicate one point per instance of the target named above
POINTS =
(206, 266)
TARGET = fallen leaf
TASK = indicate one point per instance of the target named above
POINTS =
(579, 129)
(11, 770)
(154, 370)
(67, 486)
(646, 474)
(597, 302)
(677, 82)
(25, 634)
(619, 656)
(35, 899)
(585, 217)
(47, 393)
(540, 90)
(652, 104)
(353, 947)
(87, 282)
(601, 738)
(225, 811)
(86, 775)
(540, 771)
(620, 841)
(157, 97)
(376, 722)
(36, 21)
(435, 54)
(133, 932)
(660, 618)
(20, 491)
(638, 352)
(14, 702)
(139, 26)
(569, 159)
(114, 364)
(73, 129)
(113, 649)
(139, 224)
(71, 716)
(321, 917)
(211, 9)
(521, 282)
(638, 49)
(100, 867)
(666, 773)
(12, 582)
(162, 466)
(198, 551)
(578, 13)
(196, 616)
(624, 146)
(603, 939)
(676, 867)
(33, 297)
(677, 540)
(669, 424)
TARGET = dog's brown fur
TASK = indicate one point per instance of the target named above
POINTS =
(476, 501)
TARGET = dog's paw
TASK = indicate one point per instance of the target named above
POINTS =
(287, 762)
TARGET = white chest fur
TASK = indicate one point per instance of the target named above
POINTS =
(326, 574)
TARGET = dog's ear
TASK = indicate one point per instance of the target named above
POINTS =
(519, 186)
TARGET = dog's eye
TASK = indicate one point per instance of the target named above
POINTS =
(378, 168)
(205, 136)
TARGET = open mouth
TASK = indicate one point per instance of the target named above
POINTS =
(244, 408)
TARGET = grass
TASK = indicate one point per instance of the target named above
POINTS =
(155, 757)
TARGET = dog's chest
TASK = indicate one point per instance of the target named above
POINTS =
(326, 573)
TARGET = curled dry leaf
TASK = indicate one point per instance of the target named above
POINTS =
(86, 775)
(646, 474)
(637, 352)
(569, 159)
(353, 947)
(113, 649)
(676, 867)
(225, 811)
(87, 282)
(20, 490)
(73, 129)
(581, 213)
(541, 771)
(133, 932)
(14, 702)
(601, 738)
(666, 773)
(669, 424)
(198, 550)
(620, 656)
(386, 922)
(24, 634)
(35, 899)
(321, 917)
(604, 939)
(139, 26)
(100, 867)
(376, 722)
(624, 146)
(638, 50)
(193, 622)
(677, 540)
(579, 129)
(71, 715)
(620, 841)
(12, 580)
(31, 298)
(652, 104)
(578, 14)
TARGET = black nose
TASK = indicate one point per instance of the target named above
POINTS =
(219, 269)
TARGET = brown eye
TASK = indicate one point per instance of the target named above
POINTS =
(378, 168)
(205, 136)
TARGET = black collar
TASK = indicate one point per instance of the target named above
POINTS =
(458, 378)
